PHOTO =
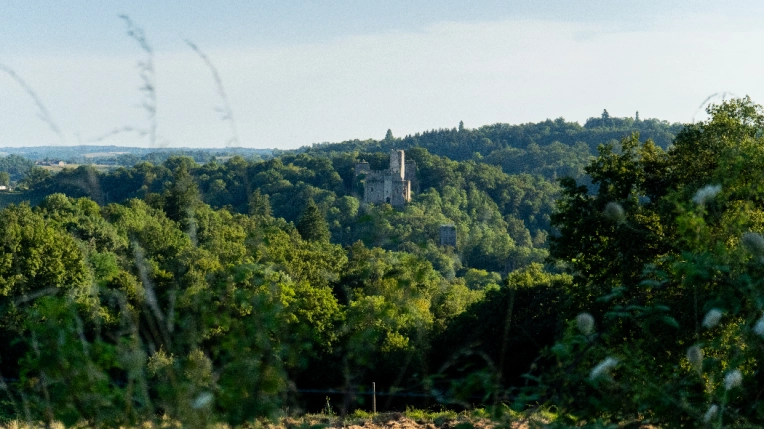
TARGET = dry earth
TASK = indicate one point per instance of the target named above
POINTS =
(400, 421)
(380, 421)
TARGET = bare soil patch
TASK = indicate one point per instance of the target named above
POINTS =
(399, 421)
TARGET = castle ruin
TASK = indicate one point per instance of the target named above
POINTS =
(392, 186)
(448, 235)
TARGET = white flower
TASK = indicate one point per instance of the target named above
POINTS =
(733, 379)
(758, 328)
(614, 212)
(585, 323)
(754, 242)
(603, 368)
(706, 193)
(695, 356)
(201, 401)
(712, 318)
(711, 413)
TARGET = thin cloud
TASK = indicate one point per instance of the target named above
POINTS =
(359, 86)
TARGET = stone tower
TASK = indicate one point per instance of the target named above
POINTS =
(398, 164)
(391, 186)
(448, 235)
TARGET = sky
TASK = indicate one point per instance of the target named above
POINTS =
(300, 72)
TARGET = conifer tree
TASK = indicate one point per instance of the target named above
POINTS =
(259, 204)
(312, 226)
(182, 196)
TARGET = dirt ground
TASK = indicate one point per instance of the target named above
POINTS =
(400, 421)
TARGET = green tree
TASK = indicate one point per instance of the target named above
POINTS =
(36, 256)
(668, 267)
(506, 330)
(312, 226)
(259, 204)
(34, 177)
(182, 197)
(5, 178)
(38, 259)
(15, 165)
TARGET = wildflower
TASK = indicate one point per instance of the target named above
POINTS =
(706, 193)
(733, 379)
(711, 413)
(614, 212)
(712, 318)
(754, 242)
(758, 328)
(695, 356)
(202, 400)
(585, 323)
(603, 368)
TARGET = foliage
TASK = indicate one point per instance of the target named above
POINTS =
(550, 137)
(504, 331)
(675, 271)
(311, 225)
(16, 166)
(228, 290)
(120, 314)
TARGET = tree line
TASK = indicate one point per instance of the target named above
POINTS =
(626, 291)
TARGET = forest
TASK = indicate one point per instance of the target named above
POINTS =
(611, 272)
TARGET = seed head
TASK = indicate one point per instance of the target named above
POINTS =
(712, 318)
(614, 212)
(706, 193)
(754, 242)
(758, 328)
(695, 356)
(711, 413)
(733, 379)
(603, 368)
(585, 323)
(201, 401)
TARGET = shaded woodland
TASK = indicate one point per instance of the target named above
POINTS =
(609, 270)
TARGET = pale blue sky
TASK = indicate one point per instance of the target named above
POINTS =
(300, 72)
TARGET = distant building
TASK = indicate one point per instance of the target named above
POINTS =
(392, 186)
(4, 188)
(51, 163)
(448, 235)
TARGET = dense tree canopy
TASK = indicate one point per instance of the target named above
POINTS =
(228, 290)
(666, 256)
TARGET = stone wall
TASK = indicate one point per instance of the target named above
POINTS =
(448, 235)
(391, 186)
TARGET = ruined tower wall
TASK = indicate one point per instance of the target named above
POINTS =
(448, 235)
(391, 186)
(374, 187)
(401, 192)
(362, 168)
(410, 175)
(398, 164)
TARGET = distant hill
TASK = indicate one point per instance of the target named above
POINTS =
(463, 143)
(551, 148)
(125, 155)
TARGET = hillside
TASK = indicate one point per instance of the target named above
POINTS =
(244, 286)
